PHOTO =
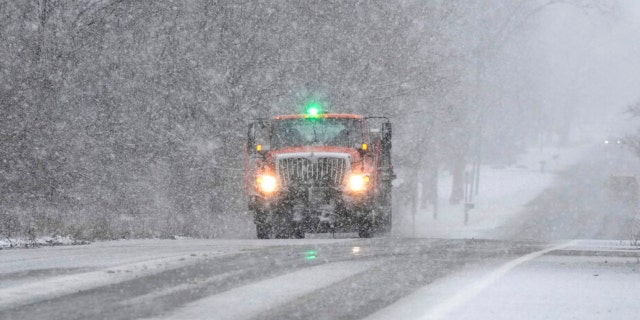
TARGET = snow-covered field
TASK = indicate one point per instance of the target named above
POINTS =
(503, 192)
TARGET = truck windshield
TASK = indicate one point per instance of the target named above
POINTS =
(342, 132)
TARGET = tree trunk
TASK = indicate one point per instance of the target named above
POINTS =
(434, 194)
(429, 194)
(457, 188)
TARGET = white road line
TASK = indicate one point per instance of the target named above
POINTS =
(248, 301)
(441, 311)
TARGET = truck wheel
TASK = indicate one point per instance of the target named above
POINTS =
(365, 228)
(387, 220)
(385, 210)
(263, 226)
(389, 223)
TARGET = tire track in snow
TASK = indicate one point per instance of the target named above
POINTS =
(249, 300)
(50, 288)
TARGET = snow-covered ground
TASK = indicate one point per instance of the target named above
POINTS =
(32, 275)
(503, 192)
(42, 241)
(551, 285)
(248, 301)
(581, 279)
(115, 253)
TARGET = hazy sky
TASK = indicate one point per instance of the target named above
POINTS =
(592, 62)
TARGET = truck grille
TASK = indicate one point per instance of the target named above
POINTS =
(327, 170)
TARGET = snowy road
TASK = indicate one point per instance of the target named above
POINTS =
(384, 278)
(337, 279)
(510, 277)
(577, 280)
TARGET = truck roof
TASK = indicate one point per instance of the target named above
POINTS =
(324, 115)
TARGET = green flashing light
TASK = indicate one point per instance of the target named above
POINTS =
(311, 254)
(313, 109)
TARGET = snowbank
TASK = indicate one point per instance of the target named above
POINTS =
(39, 242)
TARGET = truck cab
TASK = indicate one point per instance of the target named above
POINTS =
(319, 172)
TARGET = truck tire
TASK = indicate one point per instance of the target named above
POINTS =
(263, 226)
(387, 223)
(383, 206)
(365, 227)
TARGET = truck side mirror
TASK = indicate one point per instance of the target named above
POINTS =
(386, 135)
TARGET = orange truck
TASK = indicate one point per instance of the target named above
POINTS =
(319, 173)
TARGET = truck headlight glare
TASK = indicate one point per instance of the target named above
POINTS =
(358, 182)
(266, 184)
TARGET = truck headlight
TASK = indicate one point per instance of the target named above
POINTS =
(358, 182)
(266, 184)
